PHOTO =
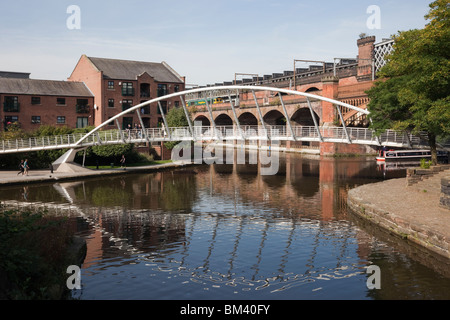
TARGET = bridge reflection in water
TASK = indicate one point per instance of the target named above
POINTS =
(225, 232)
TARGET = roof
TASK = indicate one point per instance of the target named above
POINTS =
(130, 70)
(44, 87)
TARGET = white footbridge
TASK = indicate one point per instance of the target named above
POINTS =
(195, 132)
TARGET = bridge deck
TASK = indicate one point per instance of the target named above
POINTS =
(364, 136)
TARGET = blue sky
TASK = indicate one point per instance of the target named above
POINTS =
(206, 41)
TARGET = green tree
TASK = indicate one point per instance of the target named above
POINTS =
(413, 90)
(175, 118)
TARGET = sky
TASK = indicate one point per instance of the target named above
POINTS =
(205, 41)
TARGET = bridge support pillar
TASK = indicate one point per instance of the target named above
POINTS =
(331, 148)
(66, 163)
(330, 86)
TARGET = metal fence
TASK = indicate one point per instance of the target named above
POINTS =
(298, 133)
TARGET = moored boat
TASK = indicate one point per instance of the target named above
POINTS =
(408, 155)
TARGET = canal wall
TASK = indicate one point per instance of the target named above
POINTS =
(445, 192)
(413, 213)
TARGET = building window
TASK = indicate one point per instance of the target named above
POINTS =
(127, 89)
(35, 100)
(145, 90)
(110, 85)
(82, 106)
(177, 104)
(126, 104)
(111, 103)
(176, 88)
(162, 90)
(163, 107)
(35, 119)
(61, 101)
(9, 120)
(82, 122)
(11, 104)
(60, 119)
(127, 122)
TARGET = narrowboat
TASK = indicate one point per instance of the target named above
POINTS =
(409, 155)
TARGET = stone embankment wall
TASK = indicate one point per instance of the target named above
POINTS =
(445, 192)
(415, 175)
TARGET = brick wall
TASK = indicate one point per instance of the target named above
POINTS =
(48, 110)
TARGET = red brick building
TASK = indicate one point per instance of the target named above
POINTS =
(120, 84)
(32, 103)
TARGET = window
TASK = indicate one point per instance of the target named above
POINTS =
(145, 90)
(10, 120)
(111, 103)
(162, 90)
(126, 104)
(176, 88)
(110, 85)
(82, 106)
(11, 104)
(163, 107)
(35, 119)
(127, 122)
(60, 119)
(35, 100)
(61, 101)
(82, 122)
(177, 104)
(127, 89)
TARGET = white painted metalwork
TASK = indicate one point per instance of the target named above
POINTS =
(237, 132)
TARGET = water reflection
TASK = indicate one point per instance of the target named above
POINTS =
(226, 232)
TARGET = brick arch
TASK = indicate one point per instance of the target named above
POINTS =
(274, 117)
(312, 89)
(203, 119)
(223, 119)
(248, 119)
(302, 117)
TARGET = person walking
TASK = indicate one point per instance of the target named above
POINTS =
(25, 167)
(122, 162)
(21, 168)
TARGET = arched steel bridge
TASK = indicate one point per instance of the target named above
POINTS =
(194, 132)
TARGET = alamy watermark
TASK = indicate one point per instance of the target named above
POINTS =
(221, 152)
(374, 20)
(73, 22)
(73, 281)
(374, 280)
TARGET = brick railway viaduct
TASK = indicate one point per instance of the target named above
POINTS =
(346, 81)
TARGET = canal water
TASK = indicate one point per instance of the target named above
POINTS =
(227, 232)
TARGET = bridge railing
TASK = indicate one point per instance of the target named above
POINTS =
(282, 132)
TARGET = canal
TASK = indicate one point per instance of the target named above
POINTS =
(227, 232)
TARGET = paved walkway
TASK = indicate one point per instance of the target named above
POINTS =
(412, 212)
(36, 176)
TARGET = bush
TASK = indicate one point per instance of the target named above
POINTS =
(424, 164)
(33, 251)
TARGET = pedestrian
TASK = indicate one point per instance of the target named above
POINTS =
(21, 168)
(25, 167)
(122, 162)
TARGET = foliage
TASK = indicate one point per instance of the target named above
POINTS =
(413, 92)
(42, 159)
(425, 164)
(175, 118)
(33, 249)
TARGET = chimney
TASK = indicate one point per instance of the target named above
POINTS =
(365, 58)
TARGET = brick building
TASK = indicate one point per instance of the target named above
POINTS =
(32, 103)
(120, 84)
